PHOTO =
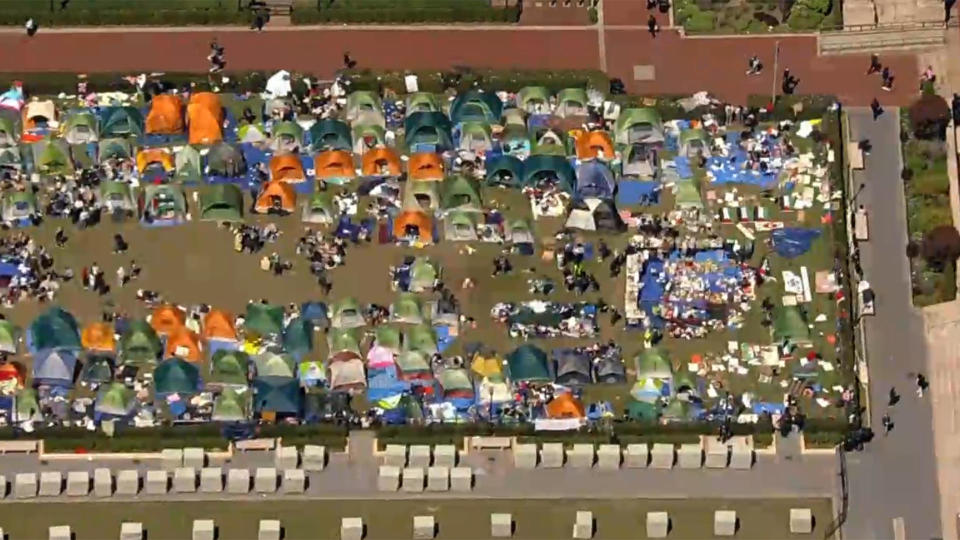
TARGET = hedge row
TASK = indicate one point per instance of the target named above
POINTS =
(128, 16)
(387, 15)
(488, 79)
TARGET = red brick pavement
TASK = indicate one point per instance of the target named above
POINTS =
(682, 65)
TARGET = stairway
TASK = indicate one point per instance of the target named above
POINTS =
(909, 36)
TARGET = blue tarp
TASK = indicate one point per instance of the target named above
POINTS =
(791, 242)
(730, 169)
(637, 193)
(682, 164)
(383, 383)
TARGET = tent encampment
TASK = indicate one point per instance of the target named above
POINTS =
(9, 134)
(287, 168)
(158, 159)
(413, 366)
(115, 400)
(789, 325)
(221, 202)
(188, 165)
(406, 308)
(343, 340)
(504, 170)
(423, 275)
(276, 197)
(97, 369)
(455, 383)
(427, 131)
(140, 343)
(381, 161)
(334, 166)
(51, 156)
(298, 337)
(277, 395)
(694, 142)
(231, 406)
(55, 367)
(346, 313)
(263, 320)
(230, 368)
(572, 367)
(54, 329)
(98, 337)
(80, 127)
(565, 406)
(162, 202)
(365, 107)
(550, 169)
(18, 205)
(115, 148)
(638, 126)
(595, 145)
(205, 118)
(319, 209)
(654, 376)
(225, 159)
(595, 180)
(38, 116)
(475, 137)
(120, 122)
(219, 325)
(476, 106)
(10, 336)
(176, 376)
(422, 102)
(329, 134)
(534, 100)
(571, 102)
(367, 138)
(286, 137)
(425, 166)
(271, 364)
(166, 319)
(413, 224)
(460, 193)
(347, 374)
(423, 196)
(165, 116)
(595, 215)
(420, 338)
(460, 226)
(528, 363)
(184, 344)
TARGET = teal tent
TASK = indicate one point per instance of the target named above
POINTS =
(430, 129)
(221, 202)
(263, 319)
(278, 395)
(298, 337)
(120, 122)
(476, 106)
(504, 170)
(330, 134)
(555, 169)
(54, 329)
(528, 363)
(176, 376)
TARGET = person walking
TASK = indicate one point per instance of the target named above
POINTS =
(894, 397)
(875, 108)
(754, 67)
(887, 424)
(887, 77)
(922, 384)
(875, 66)
(653, 26)
(121, 276)
(31, 27)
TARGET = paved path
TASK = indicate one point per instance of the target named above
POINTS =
(895, 476)
(681, 65)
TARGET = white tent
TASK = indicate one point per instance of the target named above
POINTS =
(278, 85)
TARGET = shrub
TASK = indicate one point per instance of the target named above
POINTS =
(929, 116)
(803, 18)
(700, 21)
(941, 246)
(913, 250)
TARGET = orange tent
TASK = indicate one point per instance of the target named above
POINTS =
(218, 324)
(205, 118)
(592, 143)
(9, 371)
(154, 155)
(166, 319)
(166, 115)
(184, 344)
(334, 164)
(98, 337)
(416, 219)
(565, 406)
(287, 168)
(425, 166)
(276, 194)
(381, 162)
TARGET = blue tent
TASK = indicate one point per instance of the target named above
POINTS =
(55, 367)
(595, 179)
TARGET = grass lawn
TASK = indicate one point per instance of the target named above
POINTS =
(386, 520)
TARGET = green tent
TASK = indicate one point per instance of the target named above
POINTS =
(571, 102)
(80, 127)
(413, 365)
(642, 411)
(97, 369)
(346, 314)
(9, 337)
(549, 168)
(230, 406)
(271, 364)
(287, 136)
(528, 363)
(226, 159)
(368, 136)
(476, 137)
(653, 363)
(229, 368)
(461, 193)
(513, 118)
(418, 102)
(420, 338)
(638, 126)
(10, 158)
(687, 195)
(387, 337)
(534, 99)
(343, 339)
(319, 209)
(456, 382)
(117, 196)
(422, 196)
(429, 129)
(28, 405)
(18, 205)
(477, 106)
(221, 202)
(121, 122)
(330, 134)
(54, 329)
(163, 201)
(678, 410)
(114, 149)
(51, 156)
(9, 134)
(298, 337)
(187, 164)
(504, 170)
(176, 376)
(407, 309)
(423, 275)
(280, 395)
(115, 399)
(365, 108)
(789, 325)
(140, 344)
(263, 319)
(694, 141)
(460, 226)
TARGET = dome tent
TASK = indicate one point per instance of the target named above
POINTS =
(638, 126)
(18, 205)
(187, 165)
(476, 106)
(572, 102)
(140, 343)
(427, 130)
(534, 99)
(80, 127)
(504, 170)
(176, 376)
(115, 400)
(319, 209)
(329, 134)
(221, 203)
(120, 122)
(227, 160)
(595, 215)
(556, 169)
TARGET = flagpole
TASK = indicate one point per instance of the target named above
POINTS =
(776, 70)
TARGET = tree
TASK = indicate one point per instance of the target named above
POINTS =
(941, 246)
(929, 117)
(913, 250)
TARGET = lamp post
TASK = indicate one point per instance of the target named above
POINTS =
(853, 199)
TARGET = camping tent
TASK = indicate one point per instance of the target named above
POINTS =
(654, 376)
(298, 337)
(334, 166)
(115, 400)
(346, 313)
(120, 122)
(162, 201)
(98, 337)
(343, 340)
(387, 337)
(185, 344)
(155, 158)
(475, 137)
(80, 127)
(476, 106)
(638, 126)
(167, 319)
(515, 141)
(286, 137)
(263, 319)
(423, 196)
(422, 102)
(51, 156)
(528, 363)
(595, 179)
(347, 375)
(8, 130)
(534, 99)
(187, 164)
(420, 338)
(115, 148)
(205, 118)
(364, 106)
(609, 370)
(176, 376)
(687, 195)
(10, 158)
(565, 406)
(455, 383)
(221, 202)
(460, 226)
(426, 166)
(407, 309)
(10, 336)
(572, 367)
(504, 170)
(219, 325)
(18, 205)
(55, 367)
(571, 102)
(413, 365)
(694, 142)
(460, 193)
(287, 168)
(368, 137)
(415, 224)
(329, 134)
(555, 169)
(276, 197)
(423, 275)
(381, 162)
(519, 233)
(252, 133)
(97, 369)
(116, 197)
(39, 116)
(227, 160)
(271, 364)
(140, 344)
(54, 329)
(165, 116)
(230, 406)
(427, 129)
(595, 215)
(277, 395)
(789, 325)
(229, 368)
(595, 145)
(319, 209)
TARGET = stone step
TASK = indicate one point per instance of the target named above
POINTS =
(280, 20)
(876, 40)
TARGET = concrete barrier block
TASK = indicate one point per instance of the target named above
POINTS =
(525, 456)
(724, 523)
(203, 529)
(412, 480)
(395, 455)
(314, 458)
(78, 483)
(60, 532)
(171, 459)
(128, 482)
(238, 481)
(658, 524)
(637, 456)
(25, 485)
(269, 529)
(690, 456)
(583, 525)
(581, 456)
(294, 481)
(194, 457)
(211, 480)
(185, 480)
(501, 525)
(51, 483)
(131, 530)
(801, 521)
(438, 479)
(286, 457)
(461, 479)
(662, 456)
(102, 482)
(445, 455)
(424, 527)
(157, 482)
(388, 478)
(265, 480)
(551, 455)
(419, 456)
(608, 456)
(351, 528)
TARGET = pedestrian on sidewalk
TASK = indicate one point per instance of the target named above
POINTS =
(31, 27)
(653, 26)
(348, 63)
(887, 424)
(887, 76)
(876, 108)
(651, 4)
(875, 66)
(894, 397)
(258, 23)
(121, 276)
(754, 67)
(789, 82)
(922, 384)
